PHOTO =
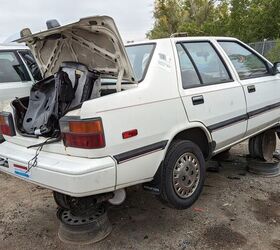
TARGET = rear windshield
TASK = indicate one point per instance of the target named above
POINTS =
(11, 70)
(140, 56)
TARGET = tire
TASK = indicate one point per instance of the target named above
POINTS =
(175, 176)
(263, 145)
(251, 146)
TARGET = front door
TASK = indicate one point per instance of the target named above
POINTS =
(261, 88)
(210, 93)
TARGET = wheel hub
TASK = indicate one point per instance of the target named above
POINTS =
(186, 175)
(85, 229)
(66, 217)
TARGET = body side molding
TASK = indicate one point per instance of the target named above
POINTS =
(138, 152)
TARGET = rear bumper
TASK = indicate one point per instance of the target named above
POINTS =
(70, 175)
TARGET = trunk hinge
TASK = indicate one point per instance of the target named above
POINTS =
(119, 81)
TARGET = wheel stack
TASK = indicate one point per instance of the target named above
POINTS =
(261, 149)
(85, 229)
(82, 220)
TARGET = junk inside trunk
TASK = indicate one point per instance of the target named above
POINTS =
(51, 98)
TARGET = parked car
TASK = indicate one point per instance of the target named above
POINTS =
(18, 71)
(107, 117)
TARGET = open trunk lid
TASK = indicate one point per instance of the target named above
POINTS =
(93, 42)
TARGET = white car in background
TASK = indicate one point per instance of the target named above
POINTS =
(18, 71)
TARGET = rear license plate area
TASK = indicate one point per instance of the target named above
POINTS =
(21, 170)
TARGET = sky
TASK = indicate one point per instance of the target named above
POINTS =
(133, 17)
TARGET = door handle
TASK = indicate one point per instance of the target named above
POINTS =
(251, 89)
(197, 100)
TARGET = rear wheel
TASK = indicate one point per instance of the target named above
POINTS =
(183, 174)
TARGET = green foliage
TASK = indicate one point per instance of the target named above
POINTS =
(168, 15)
(274, 54)
(248, 20)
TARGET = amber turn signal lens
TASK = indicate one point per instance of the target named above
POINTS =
(85, 126)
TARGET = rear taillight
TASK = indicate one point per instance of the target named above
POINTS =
(7, 124)
(78, 133)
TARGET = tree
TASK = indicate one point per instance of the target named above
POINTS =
(255, 20)
(195, 17)
(206, 17)
(264, 20)
(168, 15)
(274, 54)
(248, 20)
(238, 23)
(197, 12)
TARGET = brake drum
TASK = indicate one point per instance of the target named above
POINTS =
(263, 145)
(268, 145)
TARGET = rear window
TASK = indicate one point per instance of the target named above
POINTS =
(139, 57)
(11, 70)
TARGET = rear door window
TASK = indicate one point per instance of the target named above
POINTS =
(188, 72)
(11, 69)
(210, 67)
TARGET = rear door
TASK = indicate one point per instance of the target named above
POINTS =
(262, 89)
(210, 92)
(15, 81)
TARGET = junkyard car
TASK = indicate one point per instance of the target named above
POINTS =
(18, 71)
(106, 117)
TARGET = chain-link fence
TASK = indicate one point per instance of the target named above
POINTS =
(269, 49)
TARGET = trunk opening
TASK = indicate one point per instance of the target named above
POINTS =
(51, 98)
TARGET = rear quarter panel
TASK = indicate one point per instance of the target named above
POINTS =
(154, 108)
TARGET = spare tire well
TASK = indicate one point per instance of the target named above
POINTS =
(197, 136)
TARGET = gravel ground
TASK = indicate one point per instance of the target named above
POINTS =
(237, 210)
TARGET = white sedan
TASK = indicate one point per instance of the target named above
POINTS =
(18, 71)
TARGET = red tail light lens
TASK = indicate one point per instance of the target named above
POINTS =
(7, 124)
(78, 133)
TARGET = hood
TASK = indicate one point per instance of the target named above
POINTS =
(93, 41)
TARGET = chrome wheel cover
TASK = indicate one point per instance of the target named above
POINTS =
(186, 175)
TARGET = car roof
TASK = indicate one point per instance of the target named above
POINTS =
(177, 39)
(12, 46)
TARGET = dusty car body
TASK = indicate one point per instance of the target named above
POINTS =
(156, 111)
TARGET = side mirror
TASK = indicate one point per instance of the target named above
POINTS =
(276, 68)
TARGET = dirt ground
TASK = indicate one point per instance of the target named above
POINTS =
(237, 210)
